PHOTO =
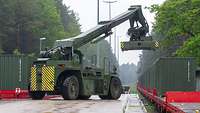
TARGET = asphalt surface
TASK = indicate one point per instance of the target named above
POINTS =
(58, 105)
(188, 107)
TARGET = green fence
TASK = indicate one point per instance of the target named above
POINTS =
(170, 74)
(14, 72)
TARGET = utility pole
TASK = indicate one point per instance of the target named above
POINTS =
(18, 38)
(117, 50)
(109, 3)
(18, 44)
(98, 48)
(97, 12)
(115, 36)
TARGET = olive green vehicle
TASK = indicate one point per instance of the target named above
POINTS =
(63, 70)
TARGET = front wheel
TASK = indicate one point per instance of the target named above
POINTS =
(37, 95)
(70, 88)
(115, 88)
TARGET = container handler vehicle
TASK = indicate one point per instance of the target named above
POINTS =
(62, 71)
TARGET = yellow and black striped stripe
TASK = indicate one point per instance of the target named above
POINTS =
(48, 78)
(33, 79)
(122, 45)
(156, 44)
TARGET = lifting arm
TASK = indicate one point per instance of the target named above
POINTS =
(134, 15)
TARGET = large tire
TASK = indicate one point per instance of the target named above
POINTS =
(70, 88)
(37, 95)
(115, 90)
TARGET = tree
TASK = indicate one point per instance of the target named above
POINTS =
(176, 22)
(23, 22)
(51, 26)
(177, 18)
(191, 48)
(177, 28)
(69, 19)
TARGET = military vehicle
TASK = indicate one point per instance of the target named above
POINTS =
(62, 71)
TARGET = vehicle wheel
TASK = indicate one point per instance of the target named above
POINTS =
(104, 97)
(70, 88)
(37, 95)
(84, 97)
(115, 88)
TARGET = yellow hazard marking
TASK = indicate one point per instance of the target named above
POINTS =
(48, 78)
(33, 79)
(156, 44)
(122, 45)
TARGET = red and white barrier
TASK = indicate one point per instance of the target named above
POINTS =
(12, 94)
(161, 104)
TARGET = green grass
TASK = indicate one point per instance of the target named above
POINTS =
(133, 89)
(147, 104)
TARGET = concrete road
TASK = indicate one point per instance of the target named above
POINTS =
(58, 105)
(134, 104)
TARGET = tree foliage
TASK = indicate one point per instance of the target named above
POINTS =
(177, 28)
(191, 48)
(69, 19)
(24, 22)
(177, 18)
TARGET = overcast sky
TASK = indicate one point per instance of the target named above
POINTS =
(87, 12)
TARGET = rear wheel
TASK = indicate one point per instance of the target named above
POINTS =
(37, 95)
(115, 88)
(70, 88)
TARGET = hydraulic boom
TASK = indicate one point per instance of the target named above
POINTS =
(138, 29)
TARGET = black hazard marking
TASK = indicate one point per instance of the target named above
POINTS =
(33, 79)
(48, 73)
